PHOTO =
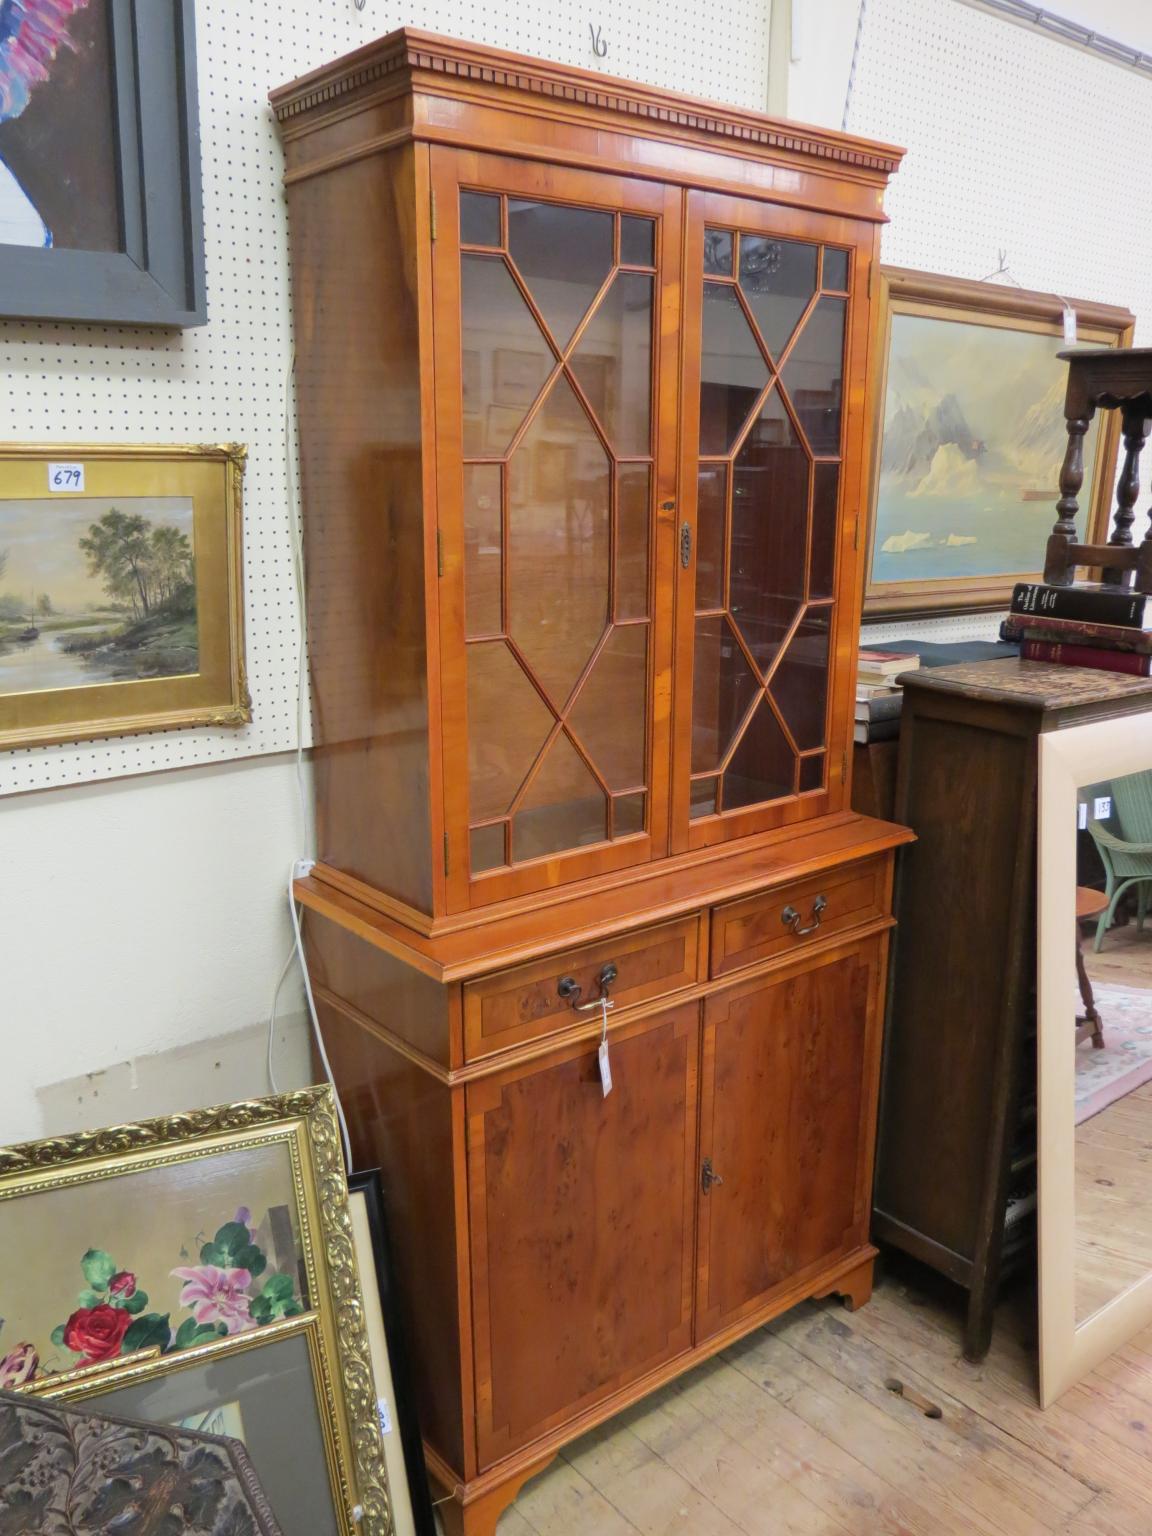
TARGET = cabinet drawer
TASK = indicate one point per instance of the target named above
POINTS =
(521, 1004)
(759, 927)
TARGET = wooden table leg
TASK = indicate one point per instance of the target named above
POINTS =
(1091, 1020)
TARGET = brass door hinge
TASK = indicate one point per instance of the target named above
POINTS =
(439, 553)
(445, 853)
(844, 766)
(432, 211)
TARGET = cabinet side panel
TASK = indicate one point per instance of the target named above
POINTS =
(400, 1120)
(358, 390)
(963, 793)
(402, 1000)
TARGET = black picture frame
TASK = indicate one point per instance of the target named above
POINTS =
(367, 1182)
(157, 277)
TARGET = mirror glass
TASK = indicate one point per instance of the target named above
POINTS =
(1112, 1008)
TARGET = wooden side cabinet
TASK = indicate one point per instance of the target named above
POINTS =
(583, 372)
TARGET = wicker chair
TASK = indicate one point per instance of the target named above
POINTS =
(1127, 855)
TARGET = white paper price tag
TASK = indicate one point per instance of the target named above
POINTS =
(602, 1054)
(66, 477)
(1069, 326)
(385, 1413)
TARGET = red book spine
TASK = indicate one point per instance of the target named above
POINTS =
(1086, 656)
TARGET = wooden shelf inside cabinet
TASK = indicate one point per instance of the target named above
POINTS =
(583, 708)
(959, 1075)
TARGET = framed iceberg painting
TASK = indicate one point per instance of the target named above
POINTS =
(969, 439)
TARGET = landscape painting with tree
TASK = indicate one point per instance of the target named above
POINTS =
(971, 438)
(121, 594)
(94, 591)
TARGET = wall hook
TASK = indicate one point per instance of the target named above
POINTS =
(599, 46)
(360, 4)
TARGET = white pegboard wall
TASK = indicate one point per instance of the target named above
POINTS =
(1016, 143)
(226, 380)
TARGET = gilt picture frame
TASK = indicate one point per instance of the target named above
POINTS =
(101, 216)
(968, 438)
(121, 590)
(200, 1270)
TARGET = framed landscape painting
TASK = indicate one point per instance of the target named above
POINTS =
(100, 201)
(120, 591)
(969, 440)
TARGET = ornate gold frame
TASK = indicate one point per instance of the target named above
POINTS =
(335, 1328)
(907, 292)
(216, 695)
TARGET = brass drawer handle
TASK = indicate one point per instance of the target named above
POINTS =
(570, 989)
(791, 918)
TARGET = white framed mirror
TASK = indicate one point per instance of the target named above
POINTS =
(1094, 1041)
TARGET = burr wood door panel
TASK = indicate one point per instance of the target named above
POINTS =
(582, 1222)
(788, 1086)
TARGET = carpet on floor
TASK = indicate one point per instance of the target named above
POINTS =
(1125, 1063)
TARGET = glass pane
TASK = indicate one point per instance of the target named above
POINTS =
(822, 571)
(479, 219)
(713, 491)
(769, 531)
(482, 549)
(558, 542)
(718, 252)
(800, 683)
(633, 514)
(487, 847)
(762, 765)
(609, 715)
(778, 278)
(835, 270)
(613, 363)
(564, 807)
(732, 369)
(564, 255)
(703, 798)
(812, 772)
(508, 723)
(505, 359)
(637, 241)
(814, 375)
(628, 815)
(723, 687)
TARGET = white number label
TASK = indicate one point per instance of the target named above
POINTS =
(66, 477)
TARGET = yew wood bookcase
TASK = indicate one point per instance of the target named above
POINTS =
(582, 377)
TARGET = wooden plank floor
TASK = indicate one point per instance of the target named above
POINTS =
(796, 1432)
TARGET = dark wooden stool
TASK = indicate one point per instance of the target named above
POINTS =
(1089, 1025)
(1115, 380)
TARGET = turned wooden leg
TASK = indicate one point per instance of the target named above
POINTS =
(855, 1287)
(478, 1514)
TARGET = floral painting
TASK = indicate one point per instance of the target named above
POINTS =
(134, 1289)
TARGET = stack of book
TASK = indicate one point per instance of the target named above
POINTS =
(1091, 625)
(878, 698)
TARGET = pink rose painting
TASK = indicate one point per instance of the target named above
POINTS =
(217, 1295)
(231, 1290)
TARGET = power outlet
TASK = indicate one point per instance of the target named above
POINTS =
(1102, 807)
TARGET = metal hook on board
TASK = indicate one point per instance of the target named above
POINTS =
(360, 4)
(599, 46)
(1070, 321)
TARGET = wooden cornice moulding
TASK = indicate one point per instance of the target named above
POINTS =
(415, 52)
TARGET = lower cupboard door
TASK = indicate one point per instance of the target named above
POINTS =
(788, 1104)
(582, 1222)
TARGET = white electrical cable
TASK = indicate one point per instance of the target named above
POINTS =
(295, 911)
(852, 68)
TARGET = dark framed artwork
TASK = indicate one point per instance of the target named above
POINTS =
(100, 206)
(403, 1446)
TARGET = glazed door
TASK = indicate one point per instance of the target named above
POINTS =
(556, 376)
(788, 1105)
(775, 354)
(582, 1217)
